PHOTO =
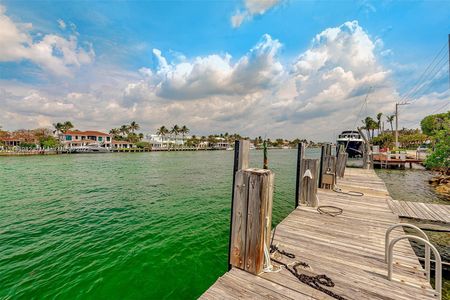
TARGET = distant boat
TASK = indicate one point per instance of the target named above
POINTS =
(230, 149)
(252, 147)
(92, 148)
(352, 142)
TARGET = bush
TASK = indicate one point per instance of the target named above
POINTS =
(49, 142)
(434, 123)
(143, 145)
(27, 145)
(440, 158)
(385, 140)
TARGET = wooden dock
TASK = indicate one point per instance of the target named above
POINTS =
(348, 248)
(394, 160)
(421, 211)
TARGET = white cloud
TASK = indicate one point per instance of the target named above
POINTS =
(51, 52)
(260, 6)
(319, 92)
(333, 77)
(238, 18)
(215, 74)
(62, 24)
(252, 8)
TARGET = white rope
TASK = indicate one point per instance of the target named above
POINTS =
(268, 267)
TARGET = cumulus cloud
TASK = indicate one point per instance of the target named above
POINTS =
(216, 74)
(252, 8)
(51, 52)
(335, 74)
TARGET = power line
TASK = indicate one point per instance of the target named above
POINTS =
(427, 85)
(431, 79)
(440, 108)
(423, 74)
(432, 113)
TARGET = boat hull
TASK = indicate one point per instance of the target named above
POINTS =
(353, 148)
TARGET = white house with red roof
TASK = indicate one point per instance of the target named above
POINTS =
(78, 138)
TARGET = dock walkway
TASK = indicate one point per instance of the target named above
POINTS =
(421, 211)
(348, 248)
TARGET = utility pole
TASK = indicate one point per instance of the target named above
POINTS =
(396, 122)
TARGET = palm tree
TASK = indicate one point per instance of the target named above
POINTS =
(369, 124)
(379, 115)
(114, 131)
(58, 128)
(175, 130)
(162, 131)
(184, 130)
(124, 129)
(390, 119)
(61, 128)
(141, 136)
(134, 126)
(67, 126)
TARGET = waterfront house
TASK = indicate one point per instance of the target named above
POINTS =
(122, 145)
(220, 144)
(160, 142)
(83, 138)
(11, 141)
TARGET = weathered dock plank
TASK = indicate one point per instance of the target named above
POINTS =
(348, 248)
(421, 211)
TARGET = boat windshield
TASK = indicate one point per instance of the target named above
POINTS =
(350, 135)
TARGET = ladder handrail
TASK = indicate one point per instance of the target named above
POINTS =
(438, 270)
(420, 231)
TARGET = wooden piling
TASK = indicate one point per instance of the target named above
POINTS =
(322, 155)
(298, 185)
(241, 151)
(252, 217)
(308, 190)
(328, 170)
(341, 163)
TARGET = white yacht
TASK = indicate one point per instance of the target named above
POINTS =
(91, 148)
(352, 141)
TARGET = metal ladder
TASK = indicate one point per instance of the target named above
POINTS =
(389, 247)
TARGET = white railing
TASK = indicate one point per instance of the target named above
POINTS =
(389, 247)
(427, 249)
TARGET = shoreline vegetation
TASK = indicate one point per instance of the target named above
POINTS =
(433, 139)
(51, 141)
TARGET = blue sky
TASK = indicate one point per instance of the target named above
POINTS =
(107, 43)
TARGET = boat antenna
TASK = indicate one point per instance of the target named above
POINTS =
(359, 113)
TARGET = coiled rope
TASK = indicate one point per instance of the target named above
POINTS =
(350, 193)
(330, 210)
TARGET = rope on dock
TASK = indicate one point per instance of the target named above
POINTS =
(350, 193)
(316, 282)
(330, 210)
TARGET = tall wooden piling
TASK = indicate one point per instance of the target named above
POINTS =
(341, 163)
(252, 217)
(251, 214)
(241, 151)
(298, 185)
(322, 155)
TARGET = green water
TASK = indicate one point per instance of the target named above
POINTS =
(121, 226)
